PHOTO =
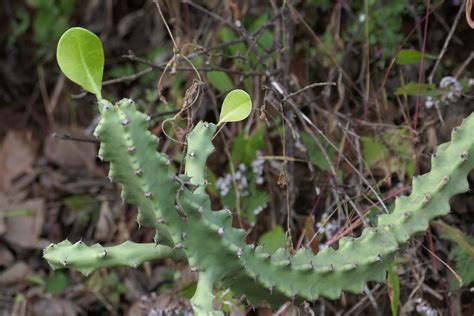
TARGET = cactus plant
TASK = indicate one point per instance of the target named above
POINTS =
(178, 207)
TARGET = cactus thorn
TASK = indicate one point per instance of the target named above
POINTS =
(406, 215)
(194, 269)
(138, 172)
(200, 210)
(464, 156)
(131, 149)
(354, 265)
(103, 254)
(148, 118)
(378, 257)
(389, 226)
(178, 246)
(135, 266)
(184, 236)
(239, 252)
(148, 194)
(206, 124)
(106, 107)
(130, 101)
(331, 267)
(100, 157)
(426, 198)
(64, 263)
(125, 122)
(220, 232)
(161, 221)
(445, 180)
(192, 154)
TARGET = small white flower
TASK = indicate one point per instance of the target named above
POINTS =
(429, 102)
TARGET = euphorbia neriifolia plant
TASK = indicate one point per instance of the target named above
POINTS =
(187, 229)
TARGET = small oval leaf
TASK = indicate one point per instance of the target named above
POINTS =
(80, 56)
(408, 56)
(236, 107)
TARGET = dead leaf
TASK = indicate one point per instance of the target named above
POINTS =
(16, 273)
(310, 233)
(106, 226)
(70, 154)
(55, 307)
(468, 13)
(6, 257)
(17, 156)
(432, 142)
(24, 222)
(160, 304)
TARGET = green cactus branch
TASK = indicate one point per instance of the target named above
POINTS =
(199, 149)
(357, 261)
(218, 251)
(86, 259)
(123, 130)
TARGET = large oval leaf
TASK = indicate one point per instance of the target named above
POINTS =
(80, 56)
(236, 107)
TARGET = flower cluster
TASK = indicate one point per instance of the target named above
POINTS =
(224, 183)
(327, 226)
(451, 92)
(257, 168)
(423, 308)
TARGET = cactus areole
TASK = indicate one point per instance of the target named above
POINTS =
(187, 229)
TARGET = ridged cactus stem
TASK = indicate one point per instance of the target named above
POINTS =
(203, 299)
(134, 161)
(199, 148)
(281, 276)
(218, 251)
(86, 259)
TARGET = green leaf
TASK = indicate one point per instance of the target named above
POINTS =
(391, 149)
(273, 239)
(236, 107)
(418, 89)
(408, 56)
(314, 153)
(57, 283)
(393, 287)
(80, 56)
(463, 253)
(220, 80)
(244, 148)
(411, 56)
